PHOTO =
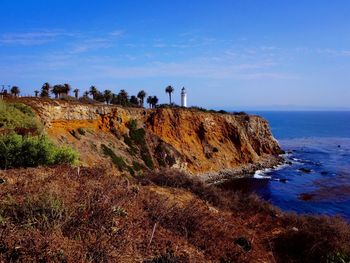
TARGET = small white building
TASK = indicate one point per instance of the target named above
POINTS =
(183, 97)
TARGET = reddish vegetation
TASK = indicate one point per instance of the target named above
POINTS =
(60, 214)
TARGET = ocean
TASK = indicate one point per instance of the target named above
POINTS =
(317, 178)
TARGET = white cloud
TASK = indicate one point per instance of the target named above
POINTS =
(194, 69)
(32, 38)
(92, 42)
(333, 52)
(116, 33)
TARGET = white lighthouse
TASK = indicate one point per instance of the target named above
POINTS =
(183, 97)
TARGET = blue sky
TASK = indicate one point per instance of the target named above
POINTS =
(233, 54)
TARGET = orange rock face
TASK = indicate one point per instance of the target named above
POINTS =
(211, 142)
(191, 140)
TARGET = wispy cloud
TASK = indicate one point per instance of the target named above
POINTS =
(116, 33)
(32, 38)
(227, 62)
(77, 41)
(333, 52)
(185, 41)
(90, 44)
(195, 69)
(93, 41)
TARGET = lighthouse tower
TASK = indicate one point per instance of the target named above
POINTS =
(183, 97)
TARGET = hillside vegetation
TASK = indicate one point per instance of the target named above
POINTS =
(23, 143)
(65, 214)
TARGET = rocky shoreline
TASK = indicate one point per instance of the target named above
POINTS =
(243, 171)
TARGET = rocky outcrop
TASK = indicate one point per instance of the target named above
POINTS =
(213, 142)
(194, 141)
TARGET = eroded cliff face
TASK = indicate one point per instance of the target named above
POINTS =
(213, 142)
(193, 141)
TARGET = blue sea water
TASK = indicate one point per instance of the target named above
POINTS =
(318, 143)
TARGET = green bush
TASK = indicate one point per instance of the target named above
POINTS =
(65, 154)
(146, 157)
(24, 151)
(23, 108)
(137, 138)
(117, 160)
(18, 116)
(132, 124)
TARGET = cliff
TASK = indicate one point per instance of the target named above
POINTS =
(194, 141)
(211, 142)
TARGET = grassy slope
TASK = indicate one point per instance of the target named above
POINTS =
(60, 214)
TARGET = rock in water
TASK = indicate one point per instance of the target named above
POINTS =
(305, 170)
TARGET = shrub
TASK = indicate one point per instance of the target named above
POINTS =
(117, 160)
(75, 134)
(137, 143)
(138, 136)
(81, 131)
(314, 239)
(42, 212)
(136, 166)
(24, 151)
(206, 110)
(146, 157)
(240, 113)
(164, 156)
(23, 108)
(132, 124)
(65, 155)
(338, 258)
(212, 194)
(119, 211)
(18, 116)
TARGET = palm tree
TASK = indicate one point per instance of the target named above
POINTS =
(100, 97)
(141, 95)
(169, 90)
(93, 91)
(115, 99)
(76, 93)
(154, 101)
(66, 89)
(134, 101)
(45, 90)
(15, 91)
(36, 92)
(56, 90)
(123, 96)
(108, 96)
(149, 101)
